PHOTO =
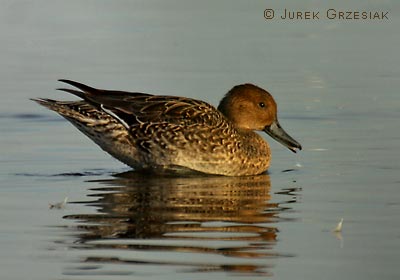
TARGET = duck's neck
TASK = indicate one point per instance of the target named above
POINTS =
(254, 144)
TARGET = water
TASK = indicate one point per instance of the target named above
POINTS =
(336, 84)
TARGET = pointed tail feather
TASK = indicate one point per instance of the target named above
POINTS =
(78, 93)
(84, 88)
(49, 103)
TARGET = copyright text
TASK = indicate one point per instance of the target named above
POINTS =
(329, 14)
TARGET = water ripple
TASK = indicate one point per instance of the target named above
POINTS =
(195, 224)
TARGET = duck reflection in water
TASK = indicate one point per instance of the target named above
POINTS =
(222, 216)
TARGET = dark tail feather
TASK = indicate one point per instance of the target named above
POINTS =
(43, 101)
(48, 103)
(74, 92)
(80, 86)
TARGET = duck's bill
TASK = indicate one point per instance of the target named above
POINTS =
(276, 131)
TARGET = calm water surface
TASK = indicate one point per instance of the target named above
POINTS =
(336, 84)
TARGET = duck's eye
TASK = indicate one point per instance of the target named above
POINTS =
(261, 104)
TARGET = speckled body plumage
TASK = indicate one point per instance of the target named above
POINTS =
(164, 132)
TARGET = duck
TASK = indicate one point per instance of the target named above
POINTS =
(173, 133)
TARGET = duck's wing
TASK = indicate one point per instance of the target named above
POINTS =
(133, 108)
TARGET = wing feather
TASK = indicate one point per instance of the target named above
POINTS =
(133, 108)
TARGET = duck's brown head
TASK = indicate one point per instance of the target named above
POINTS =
(250, 107)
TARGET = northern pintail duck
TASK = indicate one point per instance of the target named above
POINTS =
(158, 132)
